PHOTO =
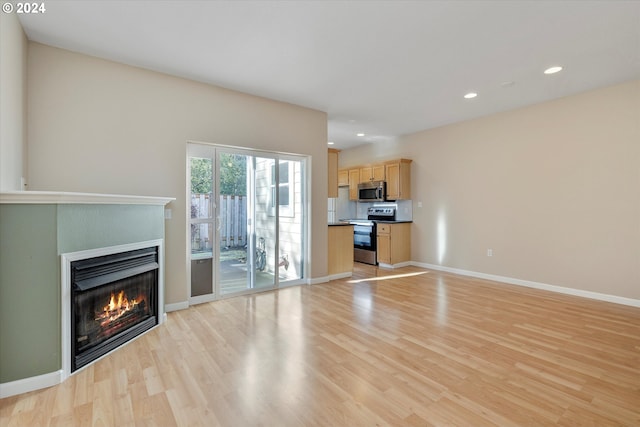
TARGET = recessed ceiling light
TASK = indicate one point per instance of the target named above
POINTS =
(330, 142)
(361, 134)
(552, 70)
(471, 95)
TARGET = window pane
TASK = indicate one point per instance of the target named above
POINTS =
(201, 175)
(233, 174)
(201, 240)
(284, 186)
(201, 206)
(284, 173)
(284, 195)
(201, 181)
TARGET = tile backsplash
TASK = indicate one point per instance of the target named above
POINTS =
(343, 208)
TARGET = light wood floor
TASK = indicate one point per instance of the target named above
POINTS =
(425, 349)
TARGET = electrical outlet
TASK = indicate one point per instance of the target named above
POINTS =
(419, 204)
(489, 252)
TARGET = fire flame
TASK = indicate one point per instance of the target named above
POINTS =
(117, 307)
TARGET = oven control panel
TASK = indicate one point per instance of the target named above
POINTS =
(381, 213)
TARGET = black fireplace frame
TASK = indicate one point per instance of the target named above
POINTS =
(91, 273)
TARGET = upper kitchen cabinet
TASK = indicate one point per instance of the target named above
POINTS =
(354, 180)
(343, 178)
(398, 177)
(372, 173)
(333, 172)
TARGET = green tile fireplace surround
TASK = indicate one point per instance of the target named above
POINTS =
(35, 229)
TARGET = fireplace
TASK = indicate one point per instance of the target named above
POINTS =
(113, 299)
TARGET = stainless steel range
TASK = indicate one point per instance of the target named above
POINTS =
(364, 234)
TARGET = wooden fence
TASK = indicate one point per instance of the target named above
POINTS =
(233, 217)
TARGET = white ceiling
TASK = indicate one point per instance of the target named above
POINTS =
(384, 68)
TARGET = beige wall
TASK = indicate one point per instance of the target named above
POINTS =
(99, 126)
(13, 106)
(553, 189)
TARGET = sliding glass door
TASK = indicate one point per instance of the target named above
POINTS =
(236, 208)
(246, 221)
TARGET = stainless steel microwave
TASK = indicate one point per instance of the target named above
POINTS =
(374, 191)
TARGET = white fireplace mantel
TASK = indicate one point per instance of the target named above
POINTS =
(63, 197)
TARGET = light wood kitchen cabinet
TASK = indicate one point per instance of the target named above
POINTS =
(396, 173)
(394, 243)
(354, 180)
(340, 256)
(333, 172)
(343, 178)
(372, 173)
(398, 177)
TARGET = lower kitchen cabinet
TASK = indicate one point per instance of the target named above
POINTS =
(340, 256)
(394, 243)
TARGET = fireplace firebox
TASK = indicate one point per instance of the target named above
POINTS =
(114, 298)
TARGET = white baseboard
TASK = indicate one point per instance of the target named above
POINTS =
(183, 305)
(316, 280)
(537, 285)
(398, 265)
(340, 275)
(201, 299)
(26, 385)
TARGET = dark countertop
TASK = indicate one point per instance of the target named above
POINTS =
(380, 221)
(338, 223)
